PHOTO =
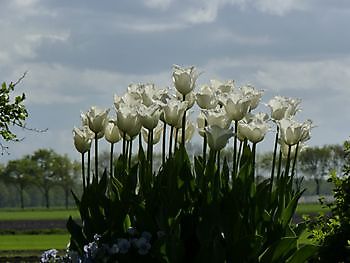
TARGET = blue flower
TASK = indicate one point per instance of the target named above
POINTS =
(48, 255)
(91, 249)
(147, 235)
(123, 245)
(143, 246)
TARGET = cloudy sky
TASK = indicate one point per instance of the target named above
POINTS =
(80, 53)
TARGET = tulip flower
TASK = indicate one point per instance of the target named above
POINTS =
(113, 136)
(222, 87)
(184, 79)
(157, 132)
(206, 98)
(152, 95)
(293, 132)
(174, 111)
(131, 98)
(293, 107)
(218, 137)
(189, 131)
(254, 131)
(128, 120)
(149, 116)
(112, 133)
(236, 105)
(217, 116)
(97, 119)
(283, 107)
(201, 119)
(190, 98)
(82, 142)
(254, 95)
(82, 139)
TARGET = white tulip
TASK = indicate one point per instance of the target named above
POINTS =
(283, 107)
(97, 119)
(236, 105)
(254, 95)
(254, 131)
(190, 98)
(112, 133)
(149, 116)
(184, 79)
(206, 98)
(222, 87)
(82, 139)
(189, 131)
(157, 132)
(293, 132)
(217, 117)
(174, 111)
(128, 120)
(218, 137)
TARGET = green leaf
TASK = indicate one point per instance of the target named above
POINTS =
(279, 251)
(303, 254)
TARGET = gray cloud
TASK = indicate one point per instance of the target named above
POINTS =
(79, 53)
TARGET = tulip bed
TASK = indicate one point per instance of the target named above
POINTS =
(201, 210)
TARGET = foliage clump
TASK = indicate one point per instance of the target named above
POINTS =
(12, 111)
(333, 231)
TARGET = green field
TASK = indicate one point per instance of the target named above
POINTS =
(27, 244)
(37, 214)
(311, 208)
(33, 242)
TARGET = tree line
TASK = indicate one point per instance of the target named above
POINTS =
(46, 178)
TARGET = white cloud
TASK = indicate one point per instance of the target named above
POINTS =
(280, 7)
(158, 4)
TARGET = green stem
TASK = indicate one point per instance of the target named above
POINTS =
(176, 138)
(254, 155)
(88, 168)
(183, 125)
(130, 153)
(295, 161)
(218, 161)
(171, 140)
(111, 161)
(124, 144)
(205, 143)
(288, 161)
(235, 150)
(96, 156)
(83, 170)
(279, 168)
(151, 152)
(274, 160)
(163, 146)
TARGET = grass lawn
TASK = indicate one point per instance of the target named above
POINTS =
(33, 242)
(37, 214)
(310, 208)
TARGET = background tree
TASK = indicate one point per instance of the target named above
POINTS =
(12, 112)
(20, 174)
(65, 174)
(44, 172)
(317, 162)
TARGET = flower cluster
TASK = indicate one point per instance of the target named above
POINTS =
(98, 251)
(225, 111)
